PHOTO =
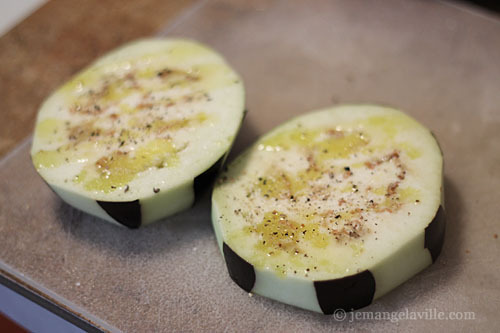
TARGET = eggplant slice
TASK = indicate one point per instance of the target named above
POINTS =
(332, 209)
(126, 138)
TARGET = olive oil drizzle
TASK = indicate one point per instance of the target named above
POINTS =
(137, 137)
(295, 235)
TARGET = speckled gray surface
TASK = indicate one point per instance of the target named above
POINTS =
(437, 62)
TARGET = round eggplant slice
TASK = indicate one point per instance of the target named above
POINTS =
(127, 138)
(332, 209)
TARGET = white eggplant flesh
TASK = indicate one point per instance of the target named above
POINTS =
(127, 138)
(332, 209)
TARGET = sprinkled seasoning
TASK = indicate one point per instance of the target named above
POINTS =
(104, 119)
(346, 208)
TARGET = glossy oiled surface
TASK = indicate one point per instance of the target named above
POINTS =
(437, 62)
